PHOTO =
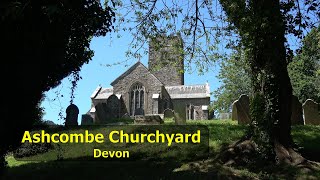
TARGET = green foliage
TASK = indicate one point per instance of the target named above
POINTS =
(263, 27)
(304, 72)
(235, 81)
(305, 67)
(146, 19)
(43, 42)
(261, 126)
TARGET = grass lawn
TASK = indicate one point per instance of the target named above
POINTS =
(171, 163)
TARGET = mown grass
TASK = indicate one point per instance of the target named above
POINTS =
(221, 132)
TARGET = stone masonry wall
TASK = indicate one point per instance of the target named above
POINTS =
(179, 105)
(139, 74)
(166, 60)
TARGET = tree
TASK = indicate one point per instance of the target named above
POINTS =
(304, 67)
(261, 28)
(42, 42)
(234, 75)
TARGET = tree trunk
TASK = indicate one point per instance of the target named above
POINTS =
(271, 104)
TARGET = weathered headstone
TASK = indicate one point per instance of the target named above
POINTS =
(242, 110)
(234, 114)
(296, 115)
(72, 112)
(311, 112)
(101, 115)
(168, 114)
(86, 119)
(113, 107)
(180, 114)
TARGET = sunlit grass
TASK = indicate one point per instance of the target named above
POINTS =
(221, 132)
(12, 162)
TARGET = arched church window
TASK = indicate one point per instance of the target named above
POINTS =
(136, 97)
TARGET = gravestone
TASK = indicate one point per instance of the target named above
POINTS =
(168, 114)
(101, 114)
(86, 119)
(234, 114)
(113, 107)
(180, 114)
(296, 115)
(311, 112)
(72, 112)
(242, 110)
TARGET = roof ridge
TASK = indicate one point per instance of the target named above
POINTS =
(126, 72)
(131, 69)
(188, 85)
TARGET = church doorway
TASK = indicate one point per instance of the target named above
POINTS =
(137, 99)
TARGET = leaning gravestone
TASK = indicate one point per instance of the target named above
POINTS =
(168, 114)
(234, 114)
(72, 115)
(240, 110)
(311, 112)
(296, 115)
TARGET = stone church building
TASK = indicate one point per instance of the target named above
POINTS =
(154, 89)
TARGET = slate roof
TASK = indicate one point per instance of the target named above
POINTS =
(102, 93)
(189, 91)
(175, 92)
(93, 95)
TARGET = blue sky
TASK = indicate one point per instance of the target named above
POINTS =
(107, 50)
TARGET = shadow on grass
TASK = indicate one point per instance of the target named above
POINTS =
(163, 168)
(308, 140)
(76, 169)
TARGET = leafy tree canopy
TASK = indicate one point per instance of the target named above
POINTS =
(303, 71)
(261, 28)
(235, 81)
(305, 67)
(42, 43)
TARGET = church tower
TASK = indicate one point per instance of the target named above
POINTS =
(166, 60)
